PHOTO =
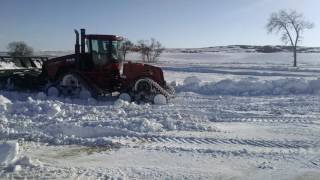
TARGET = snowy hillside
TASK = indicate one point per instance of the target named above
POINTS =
(235, 116)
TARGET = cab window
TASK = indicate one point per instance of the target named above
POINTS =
(104, 51)
(99, 51)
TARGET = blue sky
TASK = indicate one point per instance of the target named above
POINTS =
(48, 25)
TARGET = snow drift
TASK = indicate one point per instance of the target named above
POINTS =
(8, 152)
(251, 87)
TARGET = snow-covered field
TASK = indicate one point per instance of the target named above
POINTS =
(236, 116)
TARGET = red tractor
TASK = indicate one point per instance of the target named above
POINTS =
(96, 69)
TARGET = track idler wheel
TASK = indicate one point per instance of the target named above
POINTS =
(53, 91)
(125, 97)
(160, 99)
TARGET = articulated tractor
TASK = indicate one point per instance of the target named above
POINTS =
(95, 69)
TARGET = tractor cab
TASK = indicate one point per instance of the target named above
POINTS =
(97, 50)
(99, 57)
(104, 49)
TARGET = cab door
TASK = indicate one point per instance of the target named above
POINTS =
(101, 71)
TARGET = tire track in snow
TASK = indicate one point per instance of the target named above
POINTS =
(287, 144)
(300, 120)
(224, 147)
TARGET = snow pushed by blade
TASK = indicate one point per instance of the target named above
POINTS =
(251, 87)
(83, 122)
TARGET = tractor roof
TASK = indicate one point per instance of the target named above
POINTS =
(104, 37)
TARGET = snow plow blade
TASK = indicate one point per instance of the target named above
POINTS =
(26, 74)
(25, 62)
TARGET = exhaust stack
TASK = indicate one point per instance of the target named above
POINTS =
(83, 43)
(77, 45)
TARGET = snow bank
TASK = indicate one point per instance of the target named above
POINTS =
(27, 161)
(5, 104)
(251, 87)
(12, 161)
(8, 153)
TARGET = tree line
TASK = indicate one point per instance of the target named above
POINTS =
(150, 50)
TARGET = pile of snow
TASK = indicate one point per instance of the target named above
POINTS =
(5, 104)
(12, 161)
(8, 65)
(25, 161)
(192, 80)
(251, 87)
(32, 107)
(8, 153)
(62, 121)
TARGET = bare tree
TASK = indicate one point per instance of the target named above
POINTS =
(19, 48)
(126, 47)
(291, 25)
(143, 49)
(150, 50)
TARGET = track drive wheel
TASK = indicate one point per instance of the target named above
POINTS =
(143, 91)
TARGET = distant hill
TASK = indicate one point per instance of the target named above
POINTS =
(226, 49)
(245, 49)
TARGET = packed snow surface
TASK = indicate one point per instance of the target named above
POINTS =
(235, 116)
